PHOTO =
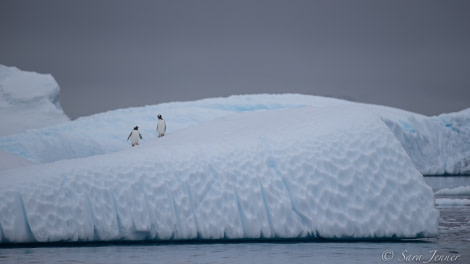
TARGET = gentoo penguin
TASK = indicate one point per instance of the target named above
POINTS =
(161, 126)
(134, 136)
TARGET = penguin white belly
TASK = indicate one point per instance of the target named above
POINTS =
(161, 127)
(134, 137)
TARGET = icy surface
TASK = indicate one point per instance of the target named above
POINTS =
(459, 191)
(107, 132)
(28, 100)
(458, 196)
(242, 167)
(330, 172)
(445, 202)
(437, 145)
(9, 161)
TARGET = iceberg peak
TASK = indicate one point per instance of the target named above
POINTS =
(28, 100)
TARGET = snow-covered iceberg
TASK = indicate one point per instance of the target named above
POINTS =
(28, 100)
(327, 172)
(437, 145)
(107, 132)
(243, 167)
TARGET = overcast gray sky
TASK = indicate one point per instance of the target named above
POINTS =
(108, 54)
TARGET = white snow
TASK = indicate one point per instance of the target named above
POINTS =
(28, 100)
(437, 145)
(330, 172)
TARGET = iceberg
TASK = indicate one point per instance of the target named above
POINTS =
(28, 100)
(448, 202)
(334, 172)
(261, 166)
(437, 145)
(458, 191)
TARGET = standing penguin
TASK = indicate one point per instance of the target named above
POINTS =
(134, 136)
(161, 126)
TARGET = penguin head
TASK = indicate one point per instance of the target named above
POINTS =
(159, 116)
(136, 127)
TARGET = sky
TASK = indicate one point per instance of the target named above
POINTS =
(111, 54)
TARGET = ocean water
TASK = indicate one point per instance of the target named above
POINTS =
(452, 245)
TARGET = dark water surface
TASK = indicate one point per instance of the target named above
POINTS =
(452, 245)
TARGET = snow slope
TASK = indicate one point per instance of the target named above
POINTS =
(437, 145)
(330, 172)
(9, 161)
(28, 100)
(107, 132)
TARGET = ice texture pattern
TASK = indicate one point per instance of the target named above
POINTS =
(437, 145)
(334, 172)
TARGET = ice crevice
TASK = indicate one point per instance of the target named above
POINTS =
(241, 214)
(24, 219)
(271, 163)
(120, 225)
(267, 212)
(177, 226)
(193, 209)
